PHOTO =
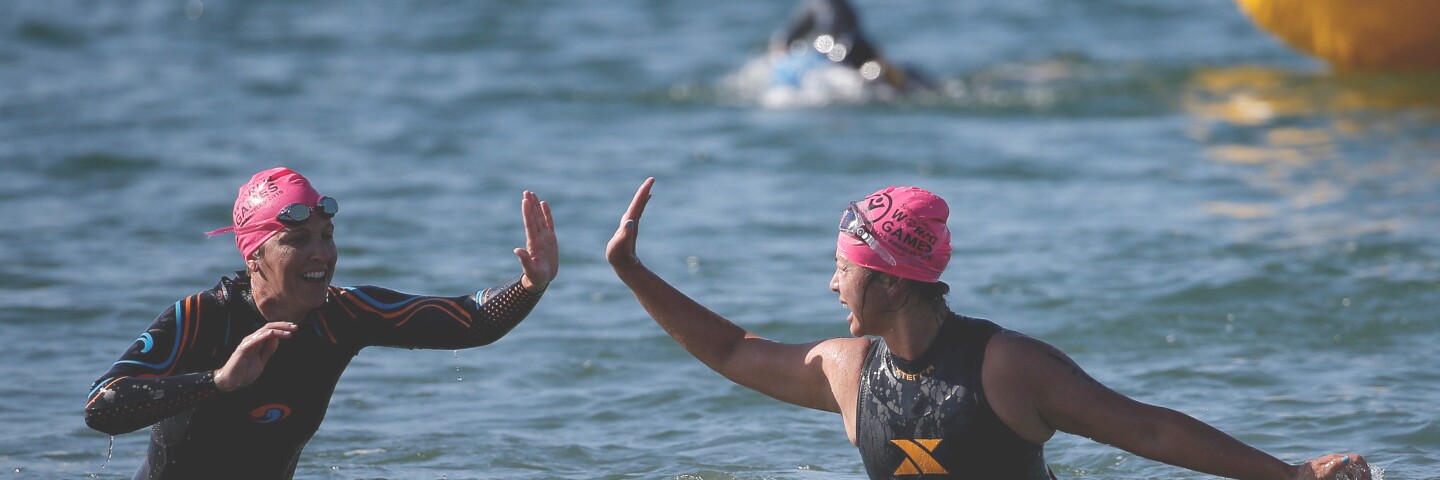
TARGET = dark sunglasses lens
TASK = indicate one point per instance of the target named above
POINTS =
(328, 207)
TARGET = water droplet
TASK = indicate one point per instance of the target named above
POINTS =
(1344, 302)
(109, 452)
(457, 367)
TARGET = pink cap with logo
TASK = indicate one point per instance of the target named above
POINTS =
(909, 223)
(259, 204)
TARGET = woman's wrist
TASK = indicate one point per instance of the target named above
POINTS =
(530, 285)
(220, 381)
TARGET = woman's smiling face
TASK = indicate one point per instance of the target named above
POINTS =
(298, 263)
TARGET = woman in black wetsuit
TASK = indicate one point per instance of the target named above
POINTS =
(937, 395)
(236, 379)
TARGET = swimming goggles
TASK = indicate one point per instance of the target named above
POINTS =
(855, 224)
(297, 213)
(293, 214)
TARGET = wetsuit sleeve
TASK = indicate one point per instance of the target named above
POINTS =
(396, 319)
(146, 385)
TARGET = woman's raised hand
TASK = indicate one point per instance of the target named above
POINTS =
(621, 250)
(540, 259)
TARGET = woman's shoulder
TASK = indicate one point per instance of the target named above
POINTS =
(372, 295)
(847, 345)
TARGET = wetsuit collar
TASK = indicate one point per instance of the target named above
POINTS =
(238, 290)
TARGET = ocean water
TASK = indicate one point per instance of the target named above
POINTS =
(1201, 217)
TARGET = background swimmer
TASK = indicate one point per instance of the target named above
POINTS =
(822, 55)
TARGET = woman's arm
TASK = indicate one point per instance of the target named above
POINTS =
(1052, 392)
(413, 321)
(393, 319)
(143, 386)
(812, 375)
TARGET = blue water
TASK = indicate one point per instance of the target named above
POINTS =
(1201, 217)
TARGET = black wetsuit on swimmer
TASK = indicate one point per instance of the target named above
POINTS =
(930, 419)
(828, 17)
(166, 377)
(837, 19)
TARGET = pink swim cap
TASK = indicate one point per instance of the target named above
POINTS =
(260, 202)
(909, 224)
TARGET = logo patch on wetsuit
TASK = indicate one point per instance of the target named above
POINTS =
(917, 457)
(270, 413)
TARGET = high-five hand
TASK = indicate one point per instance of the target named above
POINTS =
(540, 259)
(621, 250)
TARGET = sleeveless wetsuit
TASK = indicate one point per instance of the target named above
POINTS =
(166, 377)
(930, 418)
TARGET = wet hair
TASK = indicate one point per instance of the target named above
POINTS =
(925, 292)
(930, 291)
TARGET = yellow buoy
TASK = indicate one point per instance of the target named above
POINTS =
(1356, 35)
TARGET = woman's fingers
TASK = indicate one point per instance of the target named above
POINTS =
(251, 355)
(621, 249)
(540, 259)
(1349, 466)
(637, 204)
(276, 330)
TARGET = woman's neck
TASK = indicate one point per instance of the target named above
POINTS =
(914, 330)
(269, 304)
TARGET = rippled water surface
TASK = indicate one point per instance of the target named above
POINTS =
(1202, 218)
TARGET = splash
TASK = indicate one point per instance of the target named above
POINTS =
(798, 81)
